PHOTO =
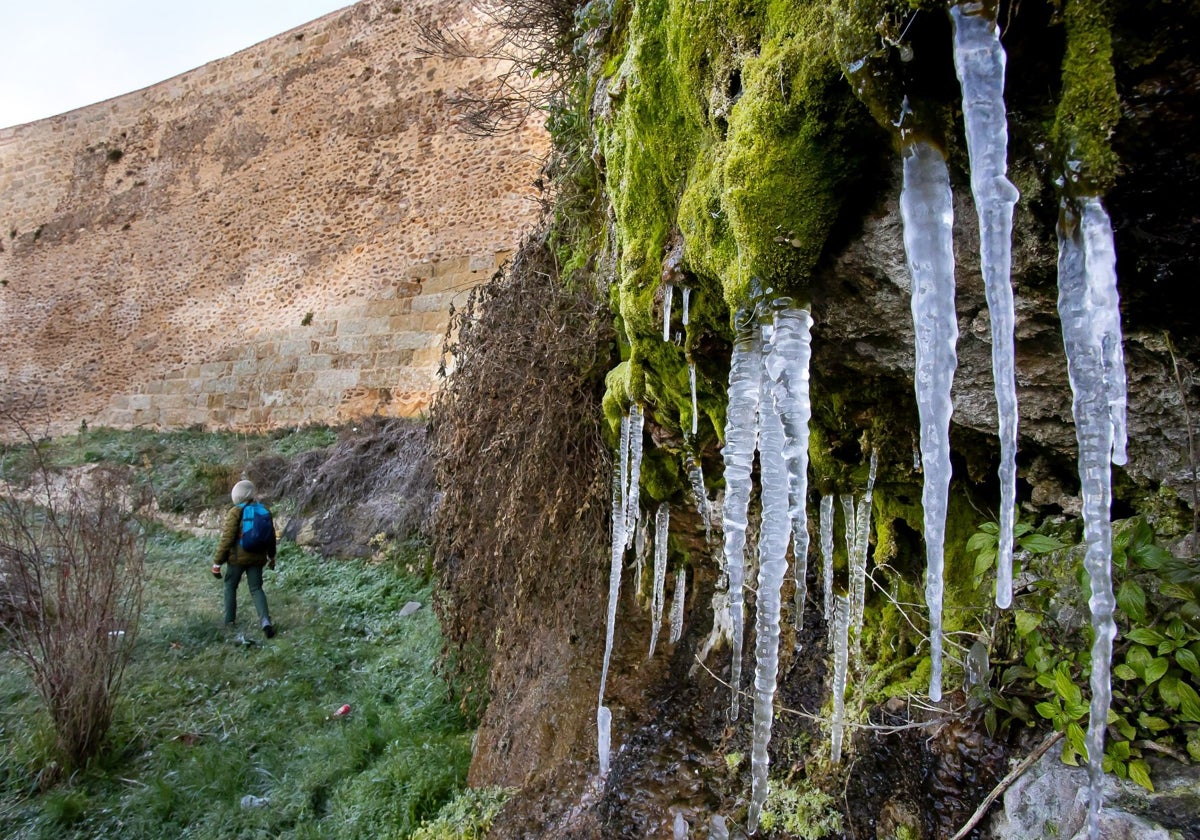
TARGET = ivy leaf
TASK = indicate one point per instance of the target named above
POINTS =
(1027, 622)
(1168, 690)
(1145, 636)
(1189, 702)
(1077, 739)
(1139, 771)
(1040, 544)
(980, 541)
(1131, 598)
(983, 562)
(1188, 661)
(1066, 687)
(1156, 669)
(1152, 723)
(1124, 672)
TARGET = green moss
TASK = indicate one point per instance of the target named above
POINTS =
(1089, 107)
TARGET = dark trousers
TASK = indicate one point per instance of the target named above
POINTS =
(233, 576)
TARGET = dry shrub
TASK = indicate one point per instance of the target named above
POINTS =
(73, 563)
(520, 462)
(376, 479)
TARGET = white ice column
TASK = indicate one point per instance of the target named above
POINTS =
(662, 525)
(979, 60)
(928, 216)
(741, 437)
(1087, 308)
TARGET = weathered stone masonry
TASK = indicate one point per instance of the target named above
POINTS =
(272, 239)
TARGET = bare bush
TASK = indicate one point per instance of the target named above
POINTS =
(533, 43)
(375, 480)
(72, 564)
(515, 436)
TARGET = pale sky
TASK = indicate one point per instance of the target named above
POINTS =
(58, 55)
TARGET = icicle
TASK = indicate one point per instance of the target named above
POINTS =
(687, 295)
(1102, 288)
(745, 372)
(773, 538)
(1086, 302)
(979, 60)
(603, 716)
(826, 526)
(692, 384)
(696, 480)
(668, 294)
(637, 422)
(662, 521)
(679, 829)
(718, 830)
(788, 369)
(858, 553)
(850, 522)
(841, 660)
(623, 458)
(677, 605)
(928, 215)
(640, 546)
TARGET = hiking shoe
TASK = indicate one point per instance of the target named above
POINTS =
(268, 628)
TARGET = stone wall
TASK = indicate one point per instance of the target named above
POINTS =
(272, 239)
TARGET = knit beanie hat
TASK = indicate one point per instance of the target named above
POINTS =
(242, 491)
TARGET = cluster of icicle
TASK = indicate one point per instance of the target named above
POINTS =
(1091, 337)
(769, 410)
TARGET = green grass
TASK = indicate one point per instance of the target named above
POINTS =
(205, 721)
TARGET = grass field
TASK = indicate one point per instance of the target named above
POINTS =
(224, 734)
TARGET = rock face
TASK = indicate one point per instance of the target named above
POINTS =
(270, 239)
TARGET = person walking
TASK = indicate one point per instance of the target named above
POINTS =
(240, 561)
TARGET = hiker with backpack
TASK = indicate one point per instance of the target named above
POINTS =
(247, 544)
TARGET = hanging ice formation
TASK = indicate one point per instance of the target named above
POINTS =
(619, 507)
(696, 480)
(858, 553)
(928, 216)
(769, 410)
(826, 534)
(662, 521)
(849, 521)
(979, 60)
(741, 438)
(687, 295)
(637, 422)
(668, 294)
(1087, 307)
(692, 385)
(677, 605)
(640, 544)
(787, 369)
(841, 661)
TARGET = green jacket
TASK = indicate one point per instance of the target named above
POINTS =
(229, 549)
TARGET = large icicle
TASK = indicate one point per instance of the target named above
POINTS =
(773, 537)
(692, 385)
(788, 365)
(668, 295)
(603, 715)
(1102, 288)
(979, 60)
(687, 297)
(1087, 307)
(637, 423)
(841, 661)
(826, 532)
(745, 374)
(850, 530)
(662, 523)
(696, 480)
(858, 553)
(677, 603)
(928, 215)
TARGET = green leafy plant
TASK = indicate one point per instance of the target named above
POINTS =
(1156, 656)
(803, 811)
(985, 544)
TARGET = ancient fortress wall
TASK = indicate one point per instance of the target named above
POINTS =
(272, 239)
